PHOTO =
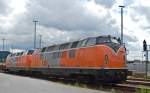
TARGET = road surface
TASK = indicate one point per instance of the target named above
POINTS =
(19, 84)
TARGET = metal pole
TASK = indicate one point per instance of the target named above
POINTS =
(146, 64)
(121, 23)
(35, 21)
(3, 39)
(40, 41)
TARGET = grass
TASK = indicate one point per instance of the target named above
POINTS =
(143, 89)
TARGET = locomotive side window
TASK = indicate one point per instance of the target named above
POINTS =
(64, 46)
(30, 52)
(74, 44)
(21, 53)
(50, 48)
(43, 49)
(17, 54)
(56, 47)
(91, 41)
(82, 43)
(100, 40)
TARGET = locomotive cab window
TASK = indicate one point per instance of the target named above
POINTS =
(43, 49)
(91, 41)
(113, 40)
(30, 52)
(100, 40)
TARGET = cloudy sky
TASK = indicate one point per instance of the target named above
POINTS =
(65, 20)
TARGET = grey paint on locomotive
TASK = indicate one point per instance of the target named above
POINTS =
(53, 58)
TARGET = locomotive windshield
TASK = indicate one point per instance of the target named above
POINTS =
(43, 49)
(113, 40)
(100, 40)
(30, 52)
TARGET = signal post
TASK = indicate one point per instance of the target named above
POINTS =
(146, 62)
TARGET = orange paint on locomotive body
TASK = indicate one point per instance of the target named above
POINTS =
(116, 59)
(94, 56)
(24, 61)
(37, 62)
(19, 60)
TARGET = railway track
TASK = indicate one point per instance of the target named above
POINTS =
(134, 85)
(130, 86)
(139, 79)
(125, 87)
(135, 82)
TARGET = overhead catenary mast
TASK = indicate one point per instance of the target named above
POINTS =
(121, 23)
(3, 39)
(40, 43)
(35, 21)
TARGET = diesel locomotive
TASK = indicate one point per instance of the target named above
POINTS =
(100, 58)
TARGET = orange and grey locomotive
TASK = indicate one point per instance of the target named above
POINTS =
(100, 58)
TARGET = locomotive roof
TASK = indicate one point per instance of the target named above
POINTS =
(57, 46)
(109, 36)
(20, 53)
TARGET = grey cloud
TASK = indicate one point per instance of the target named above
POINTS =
(142, 10)
(106, 3)
(110, 3)
(59, 21)
(127, 3)
(133, 17)
(67, 15)
(4, 8)
(64, 15)
(146, 28)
